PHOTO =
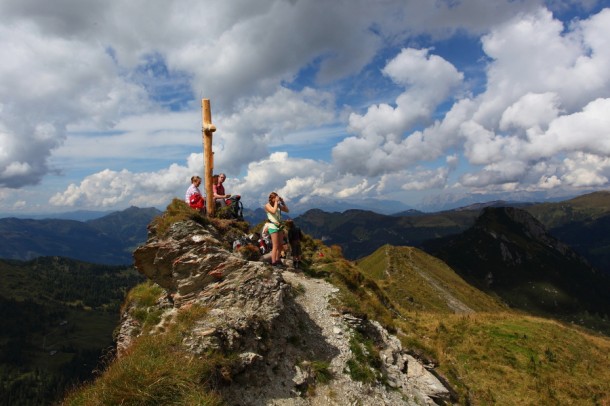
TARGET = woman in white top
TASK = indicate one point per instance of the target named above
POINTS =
(193, 195)
(193, 188)
(276, 229)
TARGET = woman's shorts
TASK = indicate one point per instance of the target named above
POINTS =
(274, 229)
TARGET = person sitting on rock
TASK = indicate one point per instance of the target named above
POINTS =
(219, 190)
(193, 195)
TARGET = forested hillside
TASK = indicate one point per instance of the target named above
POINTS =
(57, 317)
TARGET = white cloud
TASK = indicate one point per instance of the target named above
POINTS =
(120, 188)
(47, 83)
(379, 145)
(531, 111)
(86, 87)
(246, 135)
(586, 170)
(586, 131)
(287, 176)
(418, 179)
(539, 105)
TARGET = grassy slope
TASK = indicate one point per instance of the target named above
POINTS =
(581, 208)
(514, 359)
(528, 272)
(417, 281)
(582, 223)
(493, 356)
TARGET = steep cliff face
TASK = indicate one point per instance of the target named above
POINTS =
(291, 346)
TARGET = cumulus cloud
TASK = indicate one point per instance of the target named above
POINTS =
(379, 145)
(540, 104)
(285, 175)
(108, 86)
(43, 91)
(110, 188)
(245, 136)
(586, 131)
(530, 111)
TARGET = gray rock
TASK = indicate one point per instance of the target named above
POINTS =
(279, 335)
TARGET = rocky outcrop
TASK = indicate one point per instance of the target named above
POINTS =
(292, 346)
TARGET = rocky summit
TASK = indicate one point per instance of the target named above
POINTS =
(279, 324)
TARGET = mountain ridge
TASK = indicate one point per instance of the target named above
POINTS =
(106, 240)
(285, 350)
(510, 253)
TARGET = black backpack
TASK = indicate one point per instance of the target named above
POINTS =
(236, 208)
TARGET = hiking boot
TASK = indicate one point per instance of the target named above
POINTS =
(278, 264)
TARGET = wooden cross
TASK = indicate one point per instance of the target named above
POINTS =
(208, 156)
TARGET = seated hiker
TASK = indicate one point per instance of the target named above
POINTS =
(224, 199)
(193, 195)
(219, 190)
(295, 235)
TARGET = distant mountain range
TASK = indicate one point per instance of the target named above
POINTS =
(581, 222)
(110, 239)
(78, 215)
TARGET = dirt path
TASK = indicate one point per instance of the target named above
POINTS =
(341, 390)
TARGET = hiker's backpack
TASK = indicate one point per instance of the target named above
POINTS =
(236, 208)
(250, 239)
(264, 245)
(240, 242)
(295, 234)
(197, 202)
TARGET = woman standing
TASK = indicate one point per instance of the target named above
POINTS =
(274, 209)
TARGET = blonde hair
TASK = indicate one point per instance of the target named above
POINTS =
(195, 178)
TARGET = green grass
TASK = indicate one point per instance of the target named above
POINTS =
(144, 294)
(158, 370)
(512, 359)
(364, 365)
(493, 356)
(176, 211)
(581, 208)
(405, 275)
(321, 371)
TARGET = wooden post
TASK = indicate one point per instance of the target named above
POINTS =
(208, 156)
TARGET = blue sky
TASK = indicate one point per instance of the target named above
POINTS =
(430, 103)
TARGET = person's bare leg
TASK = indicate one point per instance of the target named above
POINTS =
(275, 250)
